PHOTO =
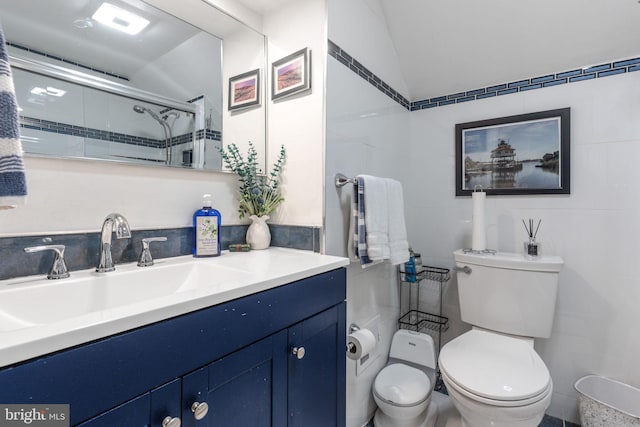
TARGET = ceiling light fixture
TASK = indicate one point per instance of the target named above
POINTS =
(120, 19)
(50, 90)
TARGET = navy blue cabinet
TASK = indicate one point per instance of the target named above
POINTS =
(316, 371)
(275, 358)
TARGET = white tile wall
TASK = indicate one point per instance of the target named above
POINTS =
(594, 229)
(366, 133)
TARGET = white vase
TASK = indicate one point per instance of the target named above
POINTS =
(258, 234)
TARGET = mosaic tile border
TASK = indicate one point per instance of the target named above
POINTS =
(350, 62)
(539, 82)
(65, 60)
(82, 249)
(576, 75)
(85, 132)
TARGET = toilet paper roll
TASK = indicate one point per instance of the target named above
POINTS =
(479, 232)
(360, 343)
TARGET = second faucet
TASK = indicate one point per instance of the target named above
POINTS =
(117, 223)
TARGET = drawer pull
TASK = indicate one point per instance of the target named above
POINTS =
(200, 410)
(171, 422)
(298, 352)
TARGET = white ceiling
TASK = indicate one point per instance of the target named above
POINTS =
(449, 46)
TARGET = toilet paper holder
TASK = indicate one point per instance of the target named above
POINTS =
(352, 328)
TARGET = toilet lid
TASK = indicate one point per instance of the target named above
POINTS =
(494, 366)
(400, 384)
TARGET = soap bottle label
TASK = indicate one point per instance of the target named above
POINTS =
(206, 235)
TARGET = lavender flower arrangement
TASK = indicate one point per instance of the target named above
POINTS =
(259, 193)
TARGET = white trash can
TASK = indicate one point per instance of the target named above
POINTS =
(606, 403)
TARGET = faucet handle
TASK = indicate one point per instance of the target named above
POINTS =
(59, 267)
(145, 259)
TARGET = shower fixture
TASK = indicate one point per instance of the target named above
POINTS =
(168, 134)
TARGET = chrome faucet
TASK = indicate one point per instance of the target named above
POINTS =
(122, 231)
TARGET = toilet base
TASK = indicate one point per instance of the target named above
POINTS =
(427, 418)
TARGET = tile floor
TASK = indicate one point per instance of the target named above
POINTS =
(449, 416)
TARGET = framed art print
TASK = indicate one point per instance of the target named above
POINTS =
(244, 90)
(291, 74)
(523, 154)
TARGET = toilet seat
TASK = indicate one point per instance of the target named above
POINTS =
(401, 385)
(496, 369)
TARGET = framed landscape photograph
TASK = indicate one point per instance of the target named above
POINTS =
(523, 154)
(291, 74)
(244, 90)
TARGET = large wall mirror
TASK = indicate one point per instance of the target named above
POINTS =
(135, 81)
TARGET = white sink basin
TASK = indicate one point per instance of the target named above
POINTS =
(40, 316)
(36, 301)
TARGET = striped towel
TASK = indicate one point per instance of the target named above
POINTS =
(359, 228)
(13, 187)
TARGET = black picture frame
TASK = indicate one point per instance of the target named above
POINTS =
(515, 155)
(244, 90)
(291, 74)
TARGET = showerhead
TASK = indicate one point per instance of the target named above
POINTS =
(141, 110)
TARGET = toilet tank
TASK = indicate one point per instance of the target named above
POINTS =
(507, 293)
(414, 347)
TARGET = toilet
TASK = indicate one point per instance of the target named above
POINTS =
(402, 389)
(492, 373)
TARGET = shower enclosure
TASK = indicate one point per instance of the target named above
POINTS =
(79, 115)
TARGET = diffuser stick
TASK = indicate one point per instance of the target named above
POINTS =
(536, 233)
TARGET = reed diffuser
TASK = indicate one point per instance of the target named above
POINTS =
(531, 246)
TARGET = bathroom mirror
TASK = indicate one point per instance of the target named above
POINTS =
(123, 80)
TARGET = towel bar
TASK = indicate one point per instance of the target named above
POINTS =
(341, 180)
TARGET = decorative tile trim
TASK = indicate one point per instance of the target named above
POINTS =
(85, 132)
(82, 249)
(539, 82)
(65, 60)
(348, 61)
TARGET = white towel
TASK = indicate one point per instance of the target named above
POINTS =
(386, 233)
(398, 244)
(376, 217)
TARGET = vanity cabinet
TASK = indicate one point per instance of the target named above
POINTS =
(274, 358)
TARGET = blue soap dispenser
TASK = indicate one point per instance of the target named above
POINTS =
(206, 226)
(410, 268)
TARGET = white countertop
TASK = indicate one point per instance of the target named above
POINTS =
(261, 270)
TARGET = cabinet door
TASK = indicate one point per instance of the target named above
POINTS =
(148, 410)
(316, 369)
(165, 404)
(239, 389)
(132, 413)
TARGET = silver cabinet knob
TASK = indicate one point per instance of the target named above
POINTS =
(298, 352)
(171, 422)
(200, 410)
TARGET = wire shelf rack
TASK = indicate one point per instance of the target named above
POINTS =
(420, 321)
(436, 274)
(418, 312)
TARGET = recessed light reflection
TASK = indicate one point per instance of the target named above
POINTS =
(49, 90)
(119, 19)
